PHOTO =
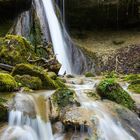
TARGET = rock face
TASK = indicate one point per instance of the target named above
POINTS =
(101, 13)
(10, 8)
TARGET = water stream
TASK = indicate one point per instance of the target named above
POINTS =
(27, 121)
(108, 128)
(29, 116)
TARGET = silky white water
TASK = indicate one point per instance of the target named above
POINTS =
(59, 44)
(107, 128)
(25, 121)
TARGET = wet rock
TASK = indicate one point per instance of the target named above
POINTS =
(129, 120)
(92, 94)
(3, 110)
(77, 116)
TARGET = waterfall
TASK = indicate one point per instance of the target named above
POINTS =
(59, 44)
(27, 121)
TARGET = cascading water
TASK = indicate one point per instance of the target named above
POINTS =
(107, 128)
(59, 44)
(27, 121)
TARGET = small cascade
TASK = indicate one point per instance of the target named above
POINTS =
(28, 119)
(107, 128)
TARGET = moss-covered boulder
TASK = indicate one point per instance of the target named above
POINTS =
(134, 82)
(15, 49)
(29, 81)
(132, 77)
(7, 83)
(64, 97)
(32, 70)
(52, 75)
(135, 86)
(109, 89)
(89, 74)
(3, 110)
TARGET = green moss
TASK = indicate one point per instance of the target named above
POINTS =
(135, 86)
(52, 75)
(111, 74)
(89, 74)
(60, 83)
(7, 83)
(63, 97)
(134, 80)
(132, 77)
(32, 70)
(93, 95)
(29, 81)
(15, 49)
(109, 89)
(3, 110)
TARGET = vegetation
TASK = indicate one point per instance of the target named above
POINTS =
(29, 81)
(32, 70)
(134, 80)
(3, 110)
(132, 77)
(135, 86)
(63, 97)
(89, 74)
(109, 89)
(52, 75)
(15, 49)
(7, 83)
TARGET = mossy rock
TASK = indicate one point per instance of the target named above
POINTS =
(7, 83)
(15, 49)
(109, 89)
(29, 81)
(32, 70)
(64, 97)
(132, 77)
(135, 86)
(89, 74)
(3, 110)
(52, 75)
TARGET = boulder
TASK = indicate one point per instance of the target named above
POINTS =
(7, 83)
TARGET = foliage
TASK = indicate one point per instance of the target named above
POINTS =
(63, 97)
(29, 81)
(109, 89)
(7, 83)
